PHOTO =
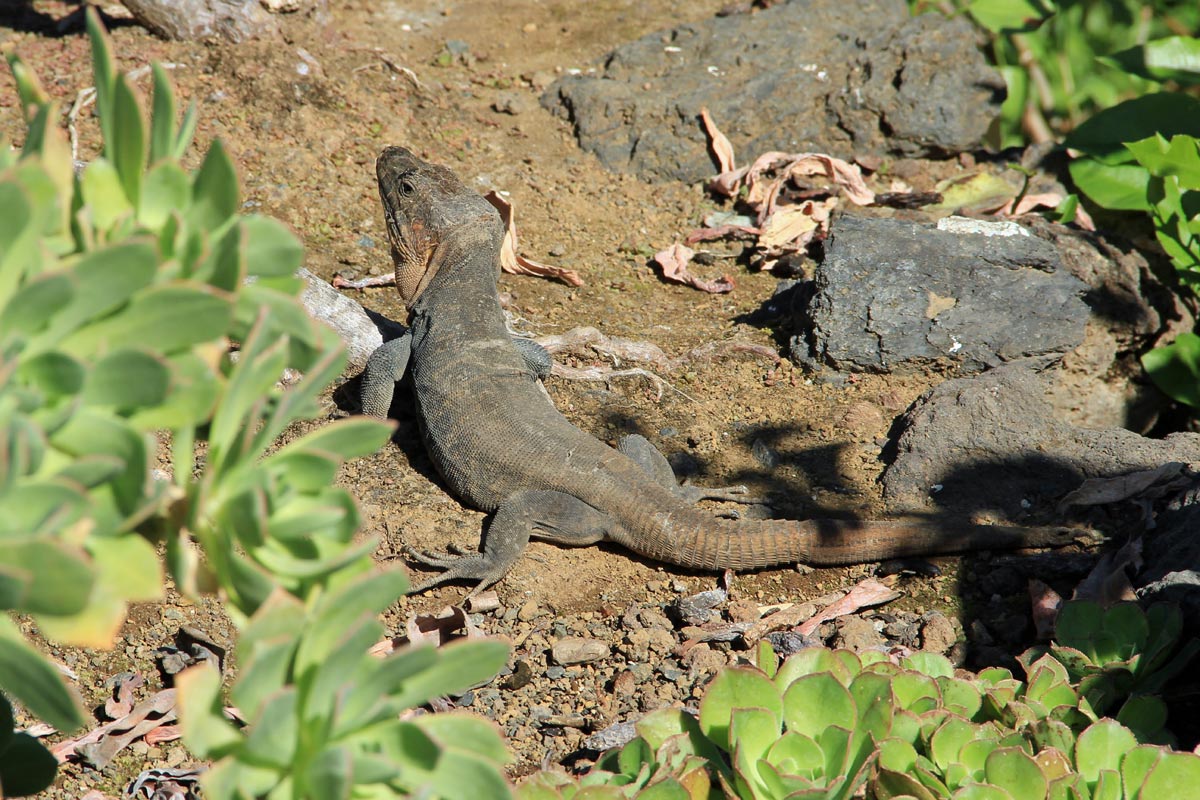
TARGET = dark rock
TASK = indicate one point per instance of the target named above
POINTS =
(788, 643)
(896, 295)
(1171, 559)
(1100, 383)
(839, 76)
(1004, 580)
(990, 441)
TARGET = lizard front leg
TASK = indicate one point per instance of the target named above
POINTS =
(384, 368)
(541, 514)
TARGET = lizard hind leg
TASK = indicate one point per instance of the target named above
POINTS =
(648, 457)
(541, 514)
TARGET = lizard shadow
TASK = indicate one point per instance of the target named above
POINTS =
(21, 16)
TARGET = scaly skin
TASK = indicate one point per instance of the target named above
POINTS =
(503, 447)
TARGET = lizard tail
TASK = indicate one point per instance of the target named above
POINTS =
(714, 544)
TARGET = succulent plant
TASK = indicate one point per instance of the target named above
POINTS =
(833, 724)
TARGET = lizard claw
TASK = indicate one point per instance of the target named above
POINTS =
(469, 566)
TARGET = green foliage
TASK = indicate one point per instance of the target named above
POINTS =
(832, 724)
(1116, 77)
(120, 292)
(1065, 60)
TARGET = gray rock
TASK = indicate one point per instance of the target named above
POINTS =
(1171, 558)
(991, 441)
(841, 76)
(233, 20)
(697, 609)
(894, 295)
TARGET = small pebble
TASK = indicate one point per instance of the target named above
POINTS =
(577, 650)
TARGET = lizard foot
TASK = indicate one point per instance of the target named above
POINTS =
(469, 566)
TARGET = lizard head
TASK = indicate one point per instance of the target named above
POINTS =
(431, 217)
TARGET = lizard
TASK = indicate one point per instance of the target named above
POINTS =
(502, 447)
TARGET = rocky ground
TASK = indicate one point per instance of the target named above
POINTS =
(598, 635)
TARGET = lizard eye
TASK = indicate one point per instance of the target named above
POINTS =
(406, 186)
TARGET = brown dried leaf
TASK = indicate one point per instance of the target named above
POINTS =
(1108, 582)
(515, 264)
(674, 262)
(1044, 200)
(794, 226)
(841, 173)
(120, 702)
(439, 629)
(704, 234)
(719, 142)
(99, 745)
(1149, 484)
(1045, 603)
(866, 594)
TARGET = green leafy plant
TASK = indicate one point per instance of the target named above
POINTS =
(121, 289)
(1120, 658)
(1065, 60)
(832, 724)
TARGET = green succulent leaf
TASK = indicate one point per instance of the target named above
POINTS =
(1015, 771)
(162, 117)
(103, 195)
(205, 729)
(43, 576)
(102, 72)
(812, 660)
(817, 701)
(30, 679)
(735, 688)
(127, 379)
(26, 767)
(1101, 747)
(214, 191)
(271, 249)
(165, 190)
(1175, 775)
(129, 145)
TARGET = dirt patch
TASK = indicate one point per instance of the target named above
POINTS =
(304, 115)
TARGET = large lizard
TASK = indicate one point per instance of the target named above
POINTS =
(502, 446)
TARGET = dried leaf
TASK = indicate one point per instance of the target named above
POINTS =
(674, 262)
(841, 173)
(1045, 603)
(515, 264)
(866, 594)
(1148, 484)
(1108, 582)
(719, 143)
(794, 227)
(721, 231)
(439, 629)
(97, 747)
(122, 685)
(1044, 200)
